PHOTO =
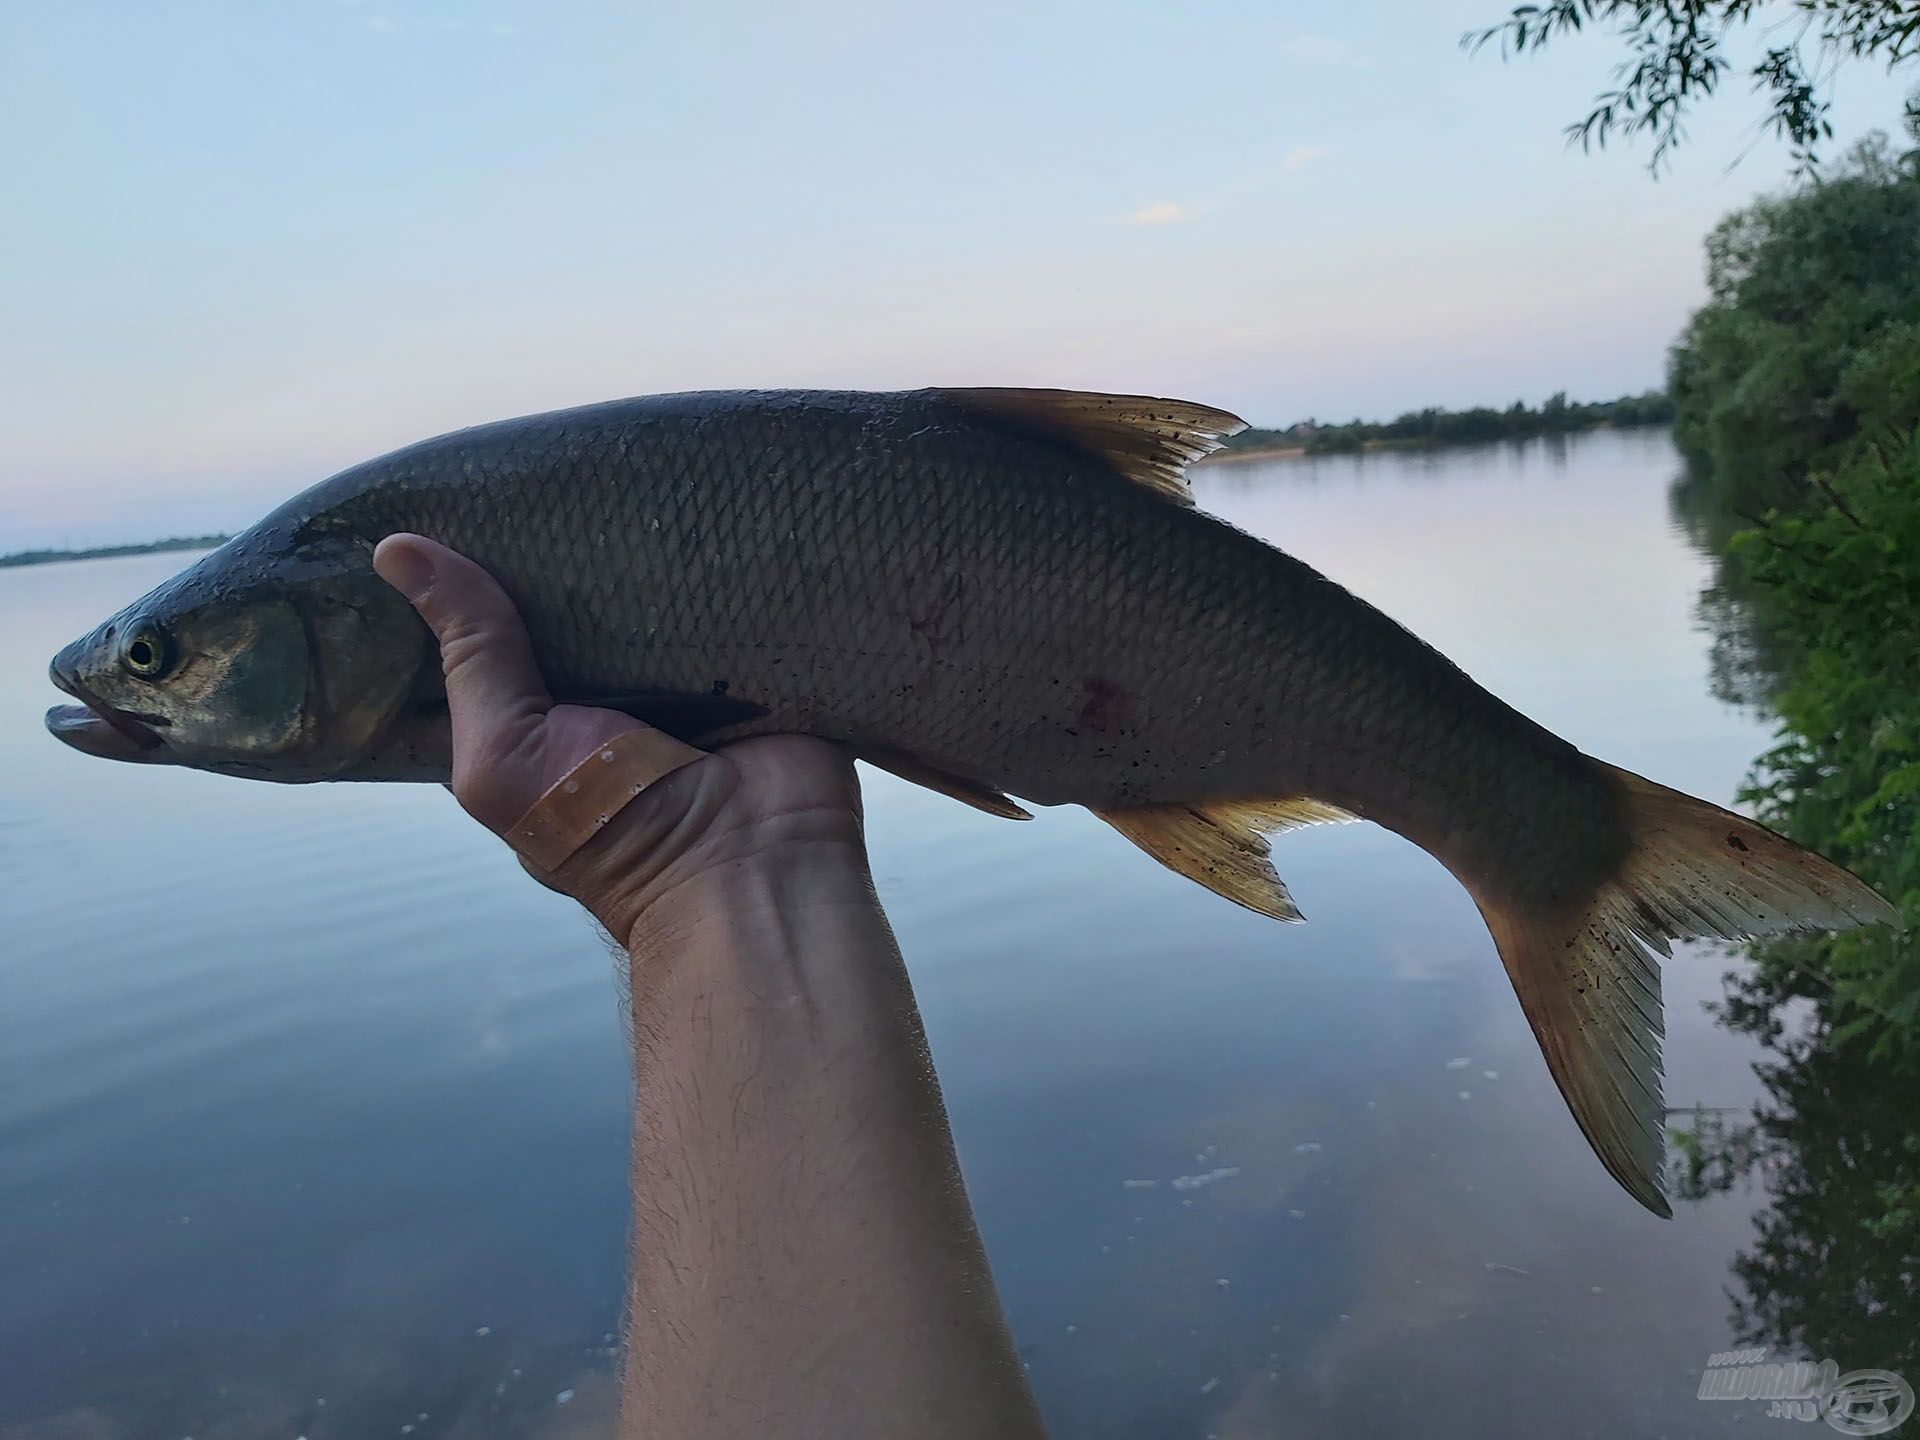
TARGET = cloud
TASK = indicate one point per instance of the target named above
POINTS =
(1171, 212)
(1163, 212)
(381, 24)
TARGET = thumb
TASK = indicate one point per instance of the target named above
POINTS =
(493, 680)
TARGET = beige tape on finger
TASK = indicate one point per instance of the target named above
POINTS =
(580, 804)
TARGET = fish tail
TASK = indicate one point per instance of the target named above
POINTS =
(1587, 968)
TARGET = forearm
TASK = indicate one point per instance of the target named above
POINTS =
(805, 1260)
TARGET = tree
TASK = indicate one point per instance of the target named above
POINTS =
(1796, 391)
(1677, 58)
(1810, 339)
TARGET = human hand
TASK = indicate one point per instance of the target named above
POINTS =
(759, 805)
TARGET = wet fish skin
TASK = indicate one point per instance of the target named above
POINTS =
(891, 571)
(996, 592)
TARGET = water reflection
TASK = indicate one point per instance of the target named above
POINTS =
(1830, 1150)
(1830, 1271)
(1747, 658)
(585, 1408)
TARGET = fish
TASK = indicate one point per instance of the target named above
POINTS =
(993, 593)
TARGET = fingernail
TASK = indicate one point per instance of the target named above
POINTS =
(404, 567)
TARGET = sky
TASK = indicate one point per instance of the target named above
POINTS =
(243, 246)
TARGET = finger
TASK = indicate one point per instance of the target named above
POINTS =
(493, 680)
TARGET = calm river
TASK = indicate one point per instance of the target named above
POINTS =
(313, 1107)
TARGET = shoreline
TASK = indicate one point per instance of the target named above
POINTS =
(1231, 455)
(21, 559)
(1294, 452)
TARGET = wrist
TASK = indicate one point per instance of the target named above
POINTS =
(764, 899)
(697, 843)
(647, 880)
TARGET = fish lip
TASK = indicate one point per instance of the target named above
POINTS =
(70, 722)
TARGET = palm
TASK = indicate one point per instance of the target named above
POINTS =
(511, 743)
(792, 775)
(767, 779)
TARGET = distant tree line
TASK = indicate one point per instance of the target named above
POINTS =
(104, 552)
(1434, 426)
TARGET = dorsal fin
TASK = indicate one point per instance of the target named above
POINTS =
(1150, 441)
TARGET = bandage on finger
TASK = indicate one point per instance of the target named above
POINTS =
(582, 802)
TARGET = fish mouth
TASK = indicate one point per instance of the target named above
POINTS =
(95, 727)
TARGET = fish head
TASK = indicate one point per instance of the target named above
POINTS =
(273, 658)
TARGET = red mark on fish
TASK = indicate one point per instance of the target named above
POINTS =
(1108, 707)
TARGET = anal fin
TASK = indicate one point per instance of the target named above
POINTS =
(1222, 844)
(917, 772)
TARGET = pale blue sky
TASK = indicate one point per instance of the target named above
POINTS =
(243, 245)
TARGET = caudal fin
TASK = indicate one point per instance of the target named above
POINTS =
(1588, 973)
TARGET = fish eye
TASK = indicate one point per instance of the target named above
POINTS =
(147, 652)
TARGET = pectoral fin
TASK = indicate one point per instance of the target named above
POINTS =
(1221, 844)
(690, 716)
(918, 772)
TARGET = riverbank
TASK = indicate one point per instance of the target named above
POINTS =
(1433, 426)
(1230, 455)
(1233, 454)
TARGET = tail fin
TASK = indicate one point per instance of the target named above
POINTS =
(1588, 974)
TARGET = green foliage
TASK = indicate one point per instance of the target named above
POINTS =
(1434, 426)
(1842, 576)
(1797, 399)
(1677, 57)
(1830, 1268)
(1812, 333)
(1797, 396)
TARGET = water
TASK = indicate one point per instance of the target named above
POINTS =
(313, 1107)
